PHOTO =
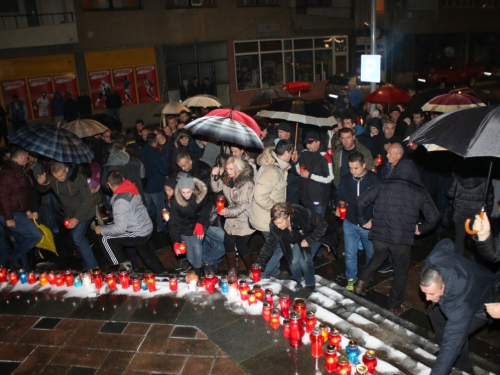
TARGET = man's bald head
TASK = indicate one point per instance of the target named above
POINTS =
(395, 153)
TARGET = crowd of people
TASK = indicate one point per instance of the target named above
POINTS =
(165, 181)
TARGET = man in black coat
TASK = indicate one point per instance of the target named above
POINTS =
(382, 143)
(457, 290)
(397, 201)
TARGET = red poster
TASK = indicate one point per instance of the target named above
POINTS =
(66, 85)
(16, 86)
(123, 80)
(146, 83)
(41, 96)
(99, 83)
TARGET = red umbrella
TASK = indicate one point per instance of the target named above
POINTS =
(451, 102)
(388, 94)
(296, 86)
(238, 116)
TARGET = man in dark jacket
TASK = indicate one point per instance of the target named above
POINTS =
(381, 143)
(156, 170)
(354, 183)
(316, 171)
(397, 201)
(84, 104)
(457, 290)
(113, 103)
(16, 210)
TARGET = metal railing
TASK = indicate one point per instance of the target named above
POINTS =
(35, 20)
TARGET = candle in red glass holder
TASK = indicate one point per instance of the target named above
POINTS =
(182, 248)
(3, 274)
(370, 361)
(149, 276)
(299, 305)
(330, 151)
(165, 214)
(173, 283)
(296, 331)
(68, 277)
(31, 277)
(124, 278)
(269, 296)
(66, 223)
(244, 289)
(136, 283)
(316, 342)
(361, 370)
(255, 272)
(52, 278)
(210, 281)
(259, 293)
(302, 169)
(43, 278)
(311, 322)
(97, 277)
(251, 297)
(286, 328)
(285, 305)
(13, 277)
(324, 332)
(378, 160)
(275, 319)
(111, 281)
(59, 279)
(331, 359)
(266, 311)
(220, 203)
(342, 210)
(334, 338)
(343, 366)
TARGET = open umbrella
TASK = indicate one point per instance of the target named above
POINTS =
(86, 127)
(238, 116)
(53, 143)
(204, 101)
(451, 102)
(170, 108)
(471, 132)
(388, 94)
(296, 86)
(225, 129)
(270, 94)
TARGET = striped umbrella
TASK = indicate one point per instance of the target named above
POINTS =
(53, 143)
(84, 128)
(451, 102)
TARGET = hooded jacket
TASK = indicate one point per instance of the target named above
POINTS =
(185, 214)
(306, 225)
(129, 213)
(238, 194)
(397, 203)
(270, 188)
(73, 193)
(316, 188)
(468, 286)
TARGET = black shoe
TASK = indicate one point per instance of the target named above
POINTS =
(386, 269)
(210, 268)
(283, 275)
(185, 266)
(126, 266)
(13, 265)
(180, 264)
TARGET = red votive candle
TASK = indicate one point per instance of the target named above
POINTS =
(285, 305)
(244, 289)
(316, 342)
(31, 277)
(331, 359)
(210, 281)
(342, 210)
(52, 278)
(13, 277)
(68, 277)
(221, 201)
(299, 305)
(59, 279)
(296, 331)
(149, 276)
(136, 283)
(3, 274)
(97, 277)
(66, 223)
(182, 248)
(275, 319)
(251, 298)
(259, 293)
(124, 278)
(324, 332)
(370, 361)
(173, 283)
(343, 366)
(286, 328)
(311, 322)
(334, 338)
(111, 281)
(266, 312)
(378, 160)
(255, 272)
(269, 296)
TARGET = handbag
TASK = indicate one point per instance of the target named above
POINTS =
(47, 241)
(447, 218)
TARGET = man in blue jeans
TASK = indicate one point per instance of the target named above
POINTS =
(16, 210)
(350, 187)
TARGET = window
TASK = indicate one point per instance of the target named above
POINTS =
(313, 3)
(111, 4)
(247, 72)
(258, 3)
(458, 3)
(173, 4)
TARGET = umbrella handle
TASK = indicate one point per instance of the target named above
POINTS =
(468, 221)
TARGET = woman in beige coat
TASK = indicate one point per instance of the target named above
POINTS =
(237, 185)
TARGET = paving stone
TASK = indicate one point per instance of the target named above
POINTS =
(198, 366)
(156, 339)
(110, 341)
(69, 324)
(47, 323)
(7, 368)
(116, 362)
(191, 347)
(161, 363)
(184, 332)
(44, 337)
(113, 327)
(137, 329)
(15, 352)
(55, 370)
(85, 334)
(7, 320)
(81, 371)
(224, 366)
(37, 360)
(18, 329)
(80, 357)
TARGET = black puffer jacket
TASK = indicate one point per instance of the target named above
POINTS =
(468, 196)
(185, 214)
(468, 286)
(306, 225)
(490, 250)
(397, 203)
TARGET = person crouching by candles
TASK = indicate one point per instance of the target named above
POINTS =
(350, 187)
(132, 226)
(237, 186)
(297, 230)
(189, 215)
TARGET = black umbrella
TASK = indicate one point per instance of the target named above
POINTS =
(471, 132)
(270, 94)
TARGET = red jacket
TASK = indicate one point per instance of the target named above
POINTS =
(14, 196)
